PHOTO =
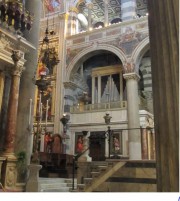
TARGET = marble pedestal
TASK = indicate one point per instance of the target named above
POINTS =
(32, 184)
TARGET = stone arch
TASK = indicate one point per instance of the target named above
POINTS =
(139, 51)
(88, 52)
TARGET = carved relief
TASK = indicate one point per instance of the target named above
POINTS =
(11, 176)
(16, 56)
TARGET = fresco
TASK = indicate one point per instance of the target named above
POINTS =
(52, 5)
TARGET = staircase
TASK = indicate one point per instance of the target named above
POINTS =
(121, 176)
(56, 184)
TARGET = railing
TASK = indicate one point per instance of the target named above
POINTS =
(99, 106)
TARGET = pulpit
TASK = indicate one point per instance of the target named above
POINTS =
(54, 162)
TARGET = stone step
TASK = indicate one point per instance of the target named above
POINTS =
(80, 187)
(57, 184)
(95, 174)
(102, 167)
(88, 180)
(51, 180)
(57, 180)
(62, 189)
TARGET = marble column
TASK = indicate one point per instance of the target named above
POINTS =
(106, 17)
(128, 9)
(4, 109)
(144, 143)
(13, 106)
(89, 6)
(134, 135)
(60, 74)
(93, 90)
(121, 86)
(99, 89)
(24, 137)
(164, 43)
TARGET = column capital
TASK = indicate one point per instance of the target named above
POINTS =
(129, 76)
(18, 70)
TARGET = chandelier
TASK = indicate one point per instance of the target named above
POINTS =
(48, 59)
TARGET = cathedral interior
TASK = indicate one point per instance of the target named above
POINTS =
(89, 96)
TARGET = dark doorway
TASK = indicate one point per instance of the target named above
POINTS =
(97, 146)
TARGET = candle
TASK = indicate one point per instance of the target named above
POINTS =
(30, 110)
(40, 113)
(39, 108)
(46, 111)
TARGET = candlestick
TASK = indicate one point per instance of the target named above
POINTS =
(40, 113)
(30, 110)
(39, 108)
(46, 111)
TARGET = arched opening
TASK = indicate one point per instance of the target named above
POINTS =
(98, 79)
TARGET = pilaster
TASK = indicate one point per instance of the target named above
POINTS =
(106, 17)
(164, 41)
(90, 7)
(128, 9)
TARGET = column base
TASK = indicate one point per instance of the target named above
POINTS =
(9, 155)
(9, 174)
